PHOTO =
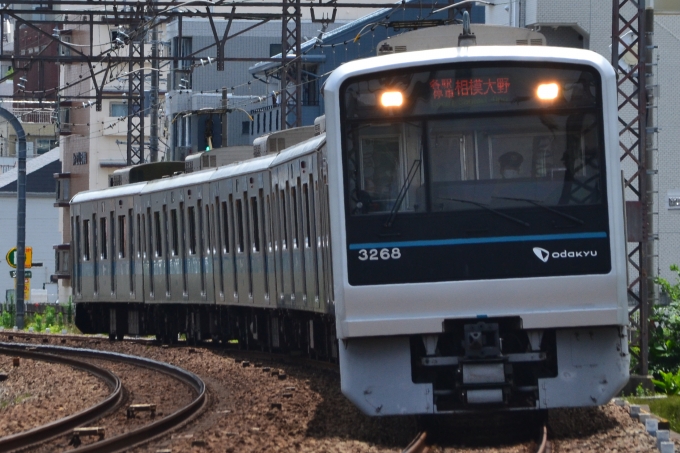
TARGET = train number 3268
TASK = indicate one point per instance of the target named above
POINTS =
(379, 254)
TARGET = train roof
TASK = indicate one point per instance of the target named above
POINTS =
(185, 179)
(421, 58)
(244, 167)
(109, 192)
(300, 149)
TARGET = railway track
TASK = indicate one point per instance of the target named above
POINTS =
(74, 357)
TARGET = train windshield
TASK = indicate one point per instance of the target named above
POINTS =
(489, 151)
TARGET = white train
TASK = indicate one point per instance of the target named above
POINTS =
(458, 228)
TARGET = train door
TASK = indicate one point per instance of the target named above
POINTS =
(208, 237)
(258, 236)
(138, 263)
(285, 257)
(308, 227)
(326, 270)
(242, 237)
(174, 265)
(147, 248)
(76, 248)
(269, 243)
(297, 245)
(228, 240)
(217, 240)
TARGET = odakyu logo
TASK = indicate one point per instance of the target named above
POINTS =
(543, 254)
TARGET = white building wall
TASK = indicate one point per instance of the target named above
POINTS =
(41, 234)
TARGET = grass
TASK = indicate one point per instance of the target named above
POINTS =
(668, 408)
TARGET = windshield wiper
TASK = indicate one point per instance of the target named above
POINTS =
(483, 206)
(536, 203)
(402, 193)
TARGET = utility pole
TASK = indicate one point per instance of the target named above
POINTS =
(632, 29)
(153, 95)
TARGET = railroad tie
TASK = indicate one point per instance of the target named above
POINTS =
(79, 432)
(134, 408)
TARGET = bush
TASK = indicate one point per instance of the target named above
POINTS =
(60, 320)
(664, 332)
(69, 311)
(49, 316)
(38, 320)
(669, 383)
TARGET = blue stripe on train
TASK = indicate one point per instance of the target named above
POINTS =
(489, 240)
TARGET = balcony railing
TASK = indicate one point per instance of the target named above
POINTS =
(33, 116)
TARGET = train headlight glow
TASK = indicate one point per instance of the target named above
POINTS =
(547, 91)
(392, 99)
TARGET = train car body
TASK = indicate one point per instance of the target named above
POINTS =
(454, 238)
(478, 237)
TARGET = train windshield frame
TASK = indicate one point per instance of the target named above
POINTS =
(478, 158)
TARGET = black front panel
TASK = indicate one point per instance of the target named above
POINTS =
(464, 173)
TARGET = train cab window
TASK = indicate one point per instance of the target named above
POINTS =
(102, 232)
(255, 223)
(239, 227)
(225, 226)
(174, 242)
(158, 249)
(192, 230)
(122, 236)
(86, 240)
(384, 168)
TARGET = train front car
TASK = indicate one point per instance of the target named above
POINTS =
(477, 229)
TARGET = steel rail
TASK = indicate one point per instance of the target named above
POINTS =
(146, 433)
(64, 425)
(545, 446)
(417, 445)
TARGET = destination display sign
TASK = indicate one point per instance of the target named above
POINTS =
(469, 89)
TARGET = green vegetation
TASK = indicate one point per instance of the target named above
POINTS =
(668, 408)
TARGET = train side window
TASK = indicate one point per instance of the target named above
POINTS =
(214, 227)
(192, 230)
(142, 235)
(131, 233)
(208, 228)
(122, 236)
(265, 235)
(239, 226)
(157, 233)
(255, 223)
(174, 243)
(295, 227)
(308, 220)
(225, 226)
(139, 235)
(112, 234)
(284, 220)
(102, 231)
(86, 240)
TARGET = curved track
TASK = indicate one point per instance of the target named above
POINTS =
(129, 439)
(66, 424)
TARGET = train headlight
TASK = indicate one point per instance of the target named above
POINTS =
(392, 99)
(547, 91)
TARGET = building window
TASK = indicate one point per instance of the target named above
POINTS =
(275, 49)
(43, 145)
(181, 68)
(118, 109)
(245, 127)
